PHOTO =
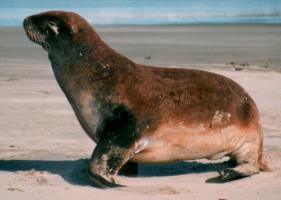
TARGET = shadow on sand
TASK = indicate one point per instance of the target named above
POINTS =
(75, 171)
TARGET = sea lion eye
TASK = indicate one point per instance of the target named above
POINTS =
(51, 23)
(53, 27)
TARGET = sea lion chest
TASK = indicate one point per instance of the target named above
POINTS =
(86, 112)
(81, 100)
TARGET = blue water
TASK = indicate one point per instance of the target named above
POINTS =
(131, 12)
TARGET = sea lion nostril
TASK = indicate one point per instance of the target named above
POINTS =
(27, 25)
(26, 22)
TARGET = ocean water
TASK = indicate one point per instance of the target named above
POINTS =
(147, 12)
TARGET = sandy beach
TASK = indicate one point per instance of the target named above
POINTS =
(44, 152)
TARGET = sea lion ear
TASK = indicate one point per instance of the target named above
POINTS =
(73, 30)
(54, 27)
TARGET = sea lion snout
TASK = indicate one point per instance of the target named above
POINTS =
(31, 30)
(35, 33)
(49, 30)
(26, 22)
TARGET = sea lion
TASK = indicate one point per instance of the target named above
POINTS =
(147, 114)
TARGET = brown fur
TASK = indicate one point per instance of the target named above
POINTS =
(180, 113)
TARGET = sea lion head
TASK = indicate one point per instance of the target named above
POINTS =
(57, 30)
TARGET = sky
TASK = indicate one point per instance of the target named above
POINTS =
(146, 12)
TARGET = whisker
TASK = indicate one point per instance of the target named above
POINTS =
(33, 36)
(36, 37)
(28, 32)
(40, 37)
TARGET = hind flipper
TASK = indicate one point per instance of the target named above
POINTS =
(236, 173)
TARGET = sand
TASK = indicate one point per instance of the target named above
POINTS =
(44, 152)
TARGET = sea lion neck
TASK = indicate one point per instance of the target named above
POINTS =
(82, 46)
(89, 63)
(86, 49)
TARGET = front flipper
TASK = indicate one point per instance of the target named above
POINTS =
(106, 161)
(117, 133)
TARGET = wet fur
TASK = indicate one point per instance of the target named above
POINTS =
(147, 114)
